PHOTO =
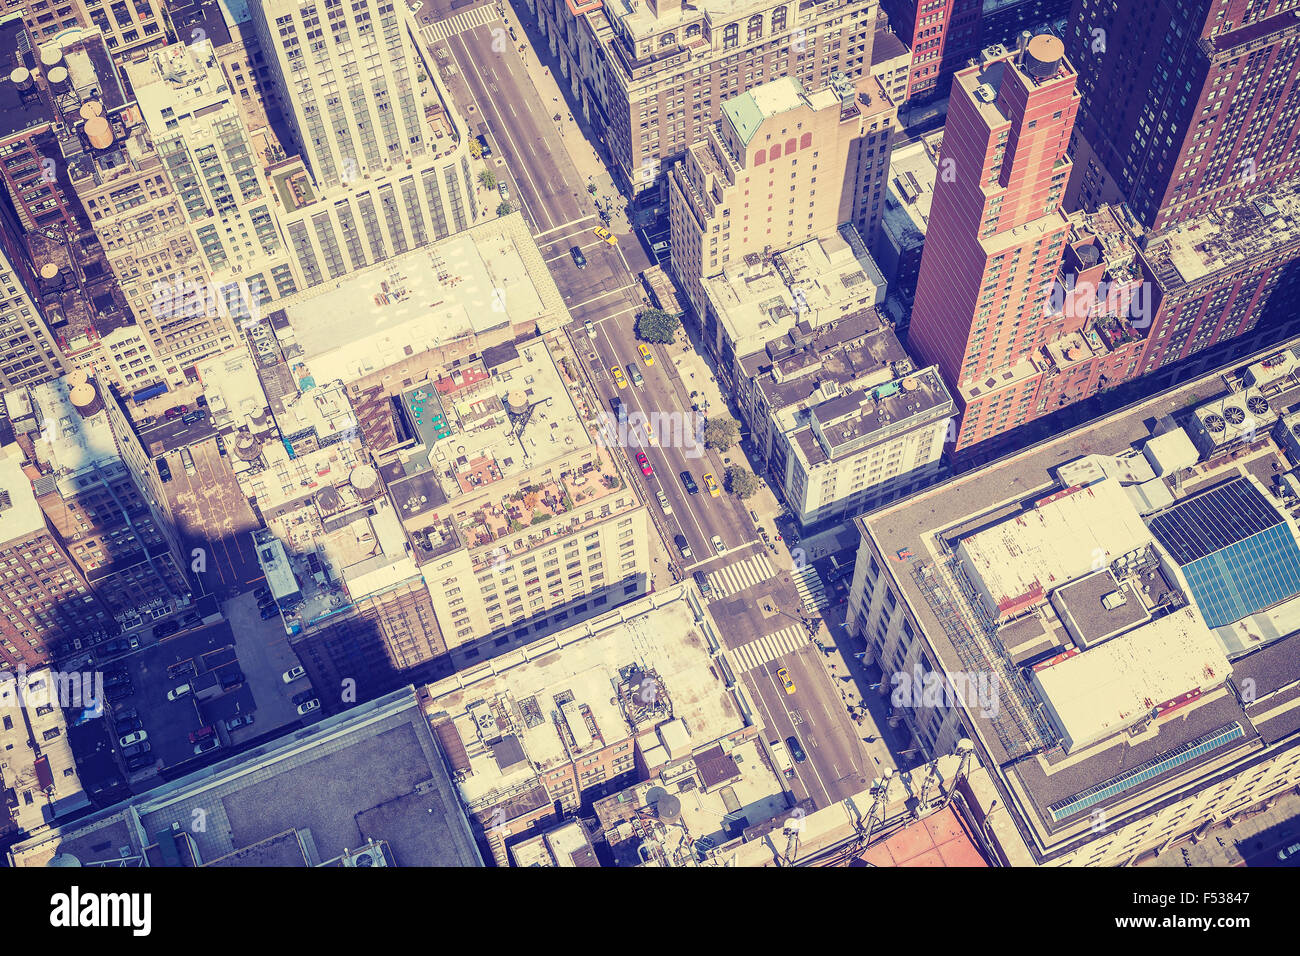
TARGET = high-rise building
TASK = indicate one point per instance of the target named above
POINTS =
(652, 77)
(243, 260)
(783, 166)
(28, 354)
(101, 497)
(1186, 103)
(997, 231)
(47, 602)
(941, 34)
(385, 164)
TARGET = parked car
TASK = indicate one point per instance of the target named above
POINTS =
(239, 720)
(579, 259)
(202, 733)
(221, 445)
(135, 737)
(166, 628)
(591, 329)
(192, 417)
(795, 750)
(164, 472)
(270, 612)
(483, 143)
(182, 669)
(231, 677)
(646, 355)
(261, 593)
(304, 696)
(203, 746)
(127, 725)
(504, 190)
(118, 692)
(663, 502)
(129, 713)
(683, 548)
(176, 412)
(147, 421)
(139, 762)
(292, 674)
(112, 681)
(176, 693)
(691, 487)
(307, 706)
(136, 750)
(265, 602)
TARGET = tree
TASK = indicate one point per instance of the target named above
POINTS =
(656, 325)
(721, 433)
(487, 180)
(741, 482)
(476, 149)
(505, 209)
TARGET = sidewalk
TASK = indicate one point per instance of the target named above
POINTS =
(574, 132)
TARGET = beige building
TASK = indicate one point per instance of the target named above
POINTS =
(652, 77)
(381, 170)
(783, 166)
(1069, 616)
(28, 353)
(128, 28)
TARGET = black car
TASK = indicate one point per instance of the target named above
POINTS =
(579, 259)
(795, 750)
(135, 750)
(620, 409)
(192, 417)
(165, 628)
(303, 697)
(262, 593)
(119, 691)
(117, 680)
(702, 582)
(124, 726)
(139, 762)
(691, 487)
(270, 612)
(129, 713)
(164, 472)
(683, 548)
(221, 445)
(483, 143)
(201, 401)
(231, 678)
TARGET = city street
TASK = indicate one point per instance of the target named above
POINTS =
(509, 97)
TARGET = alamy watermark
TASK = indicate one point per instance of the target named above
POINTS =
(684, 430)
(966, 689)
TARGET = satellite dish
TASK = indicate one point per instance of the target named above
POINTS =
(64, 859)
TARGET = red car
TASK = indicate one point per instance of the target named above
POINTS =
(644, 463)
(201, 734)
(177, 411)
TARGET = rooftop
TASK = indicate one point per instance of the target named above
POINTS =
(912, 172)
(1226, 238)
(371, 773)
(489, 277)
(571, 694)
(69, 442)
(986, 508)
(20, 515)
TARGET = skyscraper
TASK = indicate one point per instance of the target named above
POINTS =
(941, 35)
(997, 232)
(1186, 103)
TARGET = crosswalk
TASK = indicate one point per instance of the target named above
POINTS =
(741, 575)
(809, 585)
(768, 648)
(478, 17)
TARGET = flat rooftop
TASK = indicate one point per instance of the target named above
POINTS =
(910, 192)
(530, 694)
(1058, 789)
(372, 773)
(489, 277)
(1231, 235)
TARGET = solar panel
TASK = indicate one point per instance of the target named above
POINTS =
(1246, 577)
(1212, 521)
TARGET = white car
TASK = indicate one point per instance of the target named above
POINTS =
(292, 674)
(138, 737)
(591, 330)
(179, 692)
(307, 706)
(415, 7)
(718, 546)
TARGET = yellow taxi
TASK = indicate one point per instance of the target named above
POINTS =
(786, 682)
(649, 433)
(646, 355)
(603, 233)
(619, 379)
(712, 484)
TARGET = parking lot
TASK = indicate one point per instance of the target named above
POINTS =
(172, 434)
(265, 655)
(153, 671)
(213, 514)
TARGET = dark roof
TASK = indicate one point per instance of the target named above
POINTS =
(885, 46)
(508, 752)
(19, 111)
(190, 15)
(1209, 522)
(716, 767)
(453, 748)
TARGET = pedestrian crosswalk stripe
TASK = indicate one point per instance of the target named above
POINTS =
(809, 585)
(759, 651)
(743, 574)
(478, 17)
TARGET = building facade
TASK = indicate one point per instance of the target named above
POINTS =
(1184, 105)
